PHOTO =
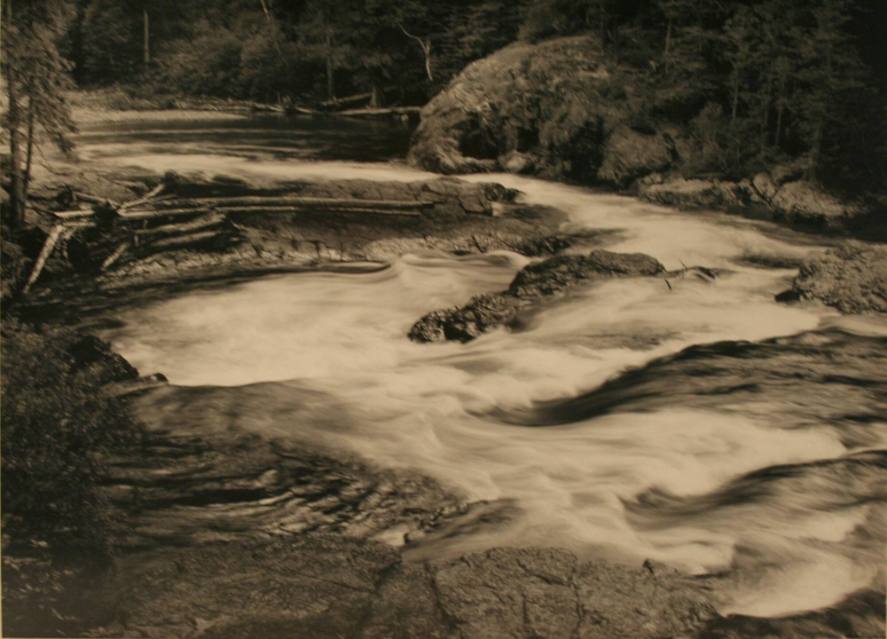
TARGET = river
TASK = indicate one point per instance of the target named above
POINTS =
(699, 424)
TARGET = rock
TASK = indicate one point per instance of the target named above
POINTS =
(765, 187)
(317, 586)
(789, 171)
(807, 202)
(629, 155)
(558, 273)
(851, 278)
(547, 245)
(546, 108)
(691, 193)
(532, 284)
(517, 162)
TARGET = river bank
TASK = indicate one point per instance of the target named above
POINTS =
(566, 109)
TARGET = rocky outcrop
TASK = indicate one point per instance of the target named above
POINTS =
(558, 108)
(775, 195)
(535, 282)
(321, 586)
(851, 278)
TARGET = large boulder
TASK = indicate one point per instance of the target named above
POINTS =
(559, 108)
(851, 278)
(534, 283)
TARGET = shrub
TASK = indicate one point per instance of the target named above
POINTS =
(56, 426)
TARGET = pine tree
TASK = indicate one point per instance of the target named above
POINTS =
(36, 77)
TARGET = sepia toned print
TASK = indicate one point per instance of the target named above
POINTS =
(476, 319)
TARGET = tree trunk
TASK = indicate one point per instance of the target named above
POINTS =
(425, 45)
(734, 107)
(780, 109)
(146, 48)
(667, 45)
(16, 195)
(29, 154)
(376, 96)
(330, 72)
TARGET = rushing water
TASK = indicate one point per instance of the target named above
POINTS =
(699, 424)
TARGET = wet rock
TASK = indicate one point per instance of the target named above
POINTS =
(806, 201)
(799, 202)
(851, 278)
(517, 162)
(532, 284)
(548, 245)
(324, 586)
(691, 193)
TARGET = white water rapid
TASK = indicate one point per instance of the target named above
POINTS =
(709, 484)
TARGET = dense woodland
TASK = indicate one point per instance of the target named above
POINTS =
(762, 80)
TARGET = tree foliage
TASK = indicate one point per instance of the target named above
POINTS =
(57, 425)
(36, 76)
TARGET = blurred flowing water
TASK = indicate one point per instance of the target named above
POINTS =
(699, 424)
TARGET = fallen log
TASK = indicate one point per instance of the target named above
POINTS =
(404, 110)
(145, 198)
(186, 240)
(357, 97)
(95, 199)
(283, 200)
(116, 255)
(74, 214)
(48, 246)
(303, 209)
(205, 222)
(294, 205)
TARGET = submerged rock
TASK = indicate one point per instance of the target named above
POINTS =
(535, 282)
(851, 278)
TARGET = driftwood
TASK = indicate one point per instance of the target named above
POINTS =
(357, 97)
(186, 240)
(331, 209)
(403, 110)
(287, 200)
(74, 214)
(116, 255)
(264, 208)
(208, 216)
(48, 246)
(145, 198)
(207, 221)
(94, 199)
(278, 204)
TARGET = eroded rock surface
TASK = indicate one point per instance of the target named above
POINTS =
(532, 284)
(851, 278)
(321, 586)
